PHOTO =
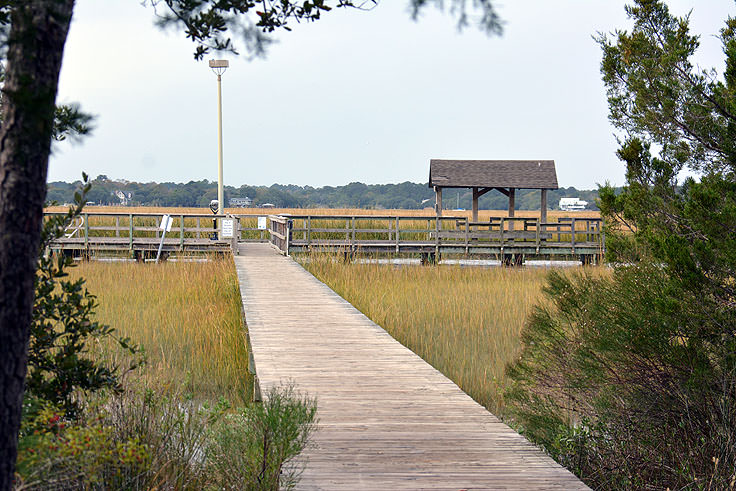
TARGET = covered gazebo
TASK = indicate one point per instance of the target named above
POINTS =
(483, 176)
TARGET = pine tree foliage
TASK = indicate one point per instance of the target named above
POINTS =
(211, 24)
(629, 379)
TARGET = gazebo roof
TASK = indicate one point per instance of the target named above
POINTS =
(518, 174)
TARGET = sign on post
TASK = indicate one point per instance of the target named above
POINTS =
(165, 226)
(261, 223)
(228, 226)
(166, 222)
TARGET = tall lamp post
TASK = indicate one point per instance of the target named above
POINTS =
(219, 67)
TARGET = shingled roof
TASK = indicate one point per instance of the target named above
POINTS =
(518, 174)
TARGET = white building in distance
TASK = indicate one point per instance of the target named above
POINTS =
(240, 202)
(572, 204)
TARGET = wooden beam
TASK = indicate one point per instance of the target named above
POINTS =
(543, 206)
(512, 200)
(438, 200)
(482, 191)
(512, 204)
(503, 191)
(476, 195)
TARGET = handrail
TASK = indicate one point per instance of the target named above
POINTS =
(130, 227)
(280, 232)
(356, 231)
(391, 233)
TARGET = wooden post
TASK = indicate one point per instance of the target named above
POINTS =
(476, 195)
(572, 231)
(438, 200)
(117, 226)
(438, 227)
(181, 234)
(130, 231)
(352, 235)
(288, 235)
(309, 231)
(86, 230)
(543, 206)
(512, 204)
(467, 232)
(397, 234)
(602, 237)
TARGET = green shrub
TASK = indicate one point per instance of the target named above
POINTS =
(58, 453)
(255, 447)
(141, 438)
(631, 380)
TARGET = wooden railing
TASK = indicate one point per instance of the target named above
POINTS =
(141, 232)
(279, 230)
(568, 236)
(138, 232)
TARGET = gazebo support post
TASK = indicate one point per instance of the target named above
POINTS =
(477, 193)
(475, 204)
(438, 200)
(512, 199)
(543, 207)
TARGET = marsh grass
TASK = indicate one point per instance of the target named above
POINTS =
(187, 317)
(466, 322)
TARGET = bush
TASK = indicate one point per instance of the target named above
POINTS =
(631, 381)
(143, 438)
(58, 453)
(258, 444)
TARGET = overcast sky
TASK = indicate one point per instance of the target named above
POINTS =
(358, 96)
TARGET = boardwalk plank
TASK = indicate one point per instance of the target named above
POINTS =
(387, 419)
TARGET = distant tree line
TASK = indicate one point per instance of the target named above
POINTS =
(405, 195)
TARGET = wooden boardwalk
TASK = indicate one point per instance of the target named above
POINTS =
(387, 419)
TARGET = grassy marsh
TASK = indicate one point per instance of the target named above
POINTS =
(187, 316)
(466, 322)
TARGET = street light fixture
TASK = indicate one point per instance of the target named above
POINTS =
(219, 67)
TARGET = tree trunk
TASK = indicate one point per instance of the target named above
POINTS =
(35, 47)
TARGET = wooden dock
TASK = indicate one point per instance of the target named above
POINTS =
(387, 419)
(508, 239)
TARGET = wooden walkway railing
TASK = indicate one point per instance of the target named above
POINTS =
(510, 239)
(501, 237)
(140, 234)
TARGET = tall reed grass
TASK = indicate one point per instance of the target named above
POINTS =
(466, 322)
(187, 317)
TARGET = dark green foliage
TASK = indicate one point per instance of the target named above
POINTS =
(630, 379)
(63, 328)
(406, 195)
(257, 445)
(146, 438)
(71, 122)
(209, 23)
